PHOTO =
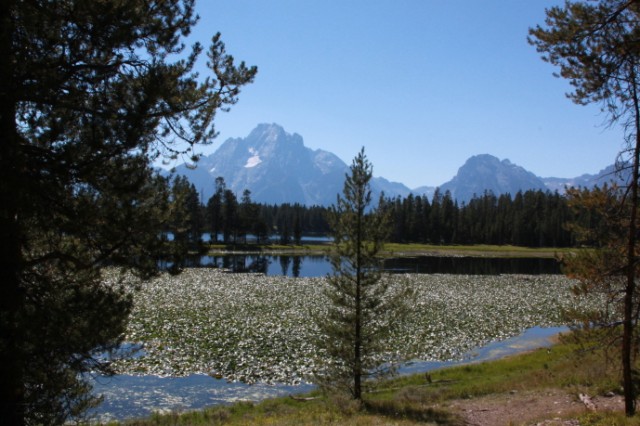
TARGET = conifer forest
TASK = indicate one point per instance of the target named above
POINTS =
(529, 218)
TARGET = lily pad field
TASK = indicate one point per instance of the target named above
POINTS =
(256, 328)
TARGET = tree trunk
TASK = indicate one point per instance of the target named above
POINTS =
(11, 297)
(357, 355)
(628, 320)
(11, 368)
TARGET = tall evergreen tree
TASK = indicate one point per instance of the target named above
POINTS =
(435, 218)
(503, 220)
(214, 210)
(285, 232)
(448, 218)
(595, 45)
(179, 222)
(297, 226)
(185, 222)
(89, 91)
(250, 219)
(230, 217)
(363, 307)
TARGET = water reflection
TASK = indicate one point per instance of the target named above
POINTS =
(319, 265)
(292, 266)
(472, 265)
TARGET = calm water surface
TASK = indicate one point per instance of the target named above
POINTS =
(319, 266)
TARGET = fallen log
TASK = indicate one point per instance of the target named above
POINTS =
(300, 398)
(586, 400)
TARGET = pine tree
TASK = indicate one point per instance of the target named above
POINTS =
(230, 217)
(596, 47)
(214, 210)
(185, 223)
(250, 219)
(364, 308)
(90, 91)
(297, 226)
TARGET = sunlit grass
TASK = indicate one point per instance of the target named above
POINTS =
(325, 410)
(476, 250)
(560, 366)
(412, 249)
(293, 249)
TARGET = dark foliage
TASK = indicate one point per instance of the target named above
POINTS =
(528, 219)
(532, 218)
(90, 91)
(595, 46)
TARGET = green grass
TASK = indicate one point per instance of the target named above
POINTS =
(475, 250)
(423, 399)
(561, 366)
(303, 249)
(397, 249)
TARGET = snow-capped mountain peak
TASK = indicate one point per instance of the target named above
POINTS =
(277, 168)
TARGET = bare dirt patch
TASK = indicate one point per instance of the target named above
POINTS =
(551, 407)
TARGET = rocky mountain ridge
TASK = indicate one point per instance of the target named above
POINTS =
(277, 168)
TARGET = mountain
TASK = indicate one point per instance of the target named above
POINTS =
(277, 168)
(390, 189)
(606, 175)
(485, 172)
(427, 191)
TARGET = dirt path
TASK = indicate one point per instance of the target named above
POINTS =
(529, 408)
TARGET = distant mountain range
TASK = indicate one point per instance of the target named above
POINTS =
(277, 168)
(485, 172)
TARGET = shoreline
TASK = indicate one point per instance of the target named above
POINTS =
(400, 250)
(128, 397)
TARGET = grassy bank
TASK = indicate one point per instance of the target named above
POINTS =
(434, 398)
(396, 249)
(474, 250)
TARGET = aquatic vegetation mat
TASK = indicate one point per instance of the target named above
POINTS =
(256, 328)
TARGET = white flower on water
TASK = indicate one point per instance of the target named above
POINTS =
(254, 328)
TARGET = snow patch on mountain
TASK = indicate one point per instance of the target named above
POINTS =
(254, 160)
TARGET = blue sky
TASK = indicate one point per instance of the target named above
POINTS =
(421, 84)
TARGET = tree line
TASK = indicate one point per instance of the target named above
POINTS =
(230, 220)
(533, 218)
(530, 218)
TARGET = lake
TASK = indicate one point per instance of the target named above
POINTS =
(477, 305)
(319, 265)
